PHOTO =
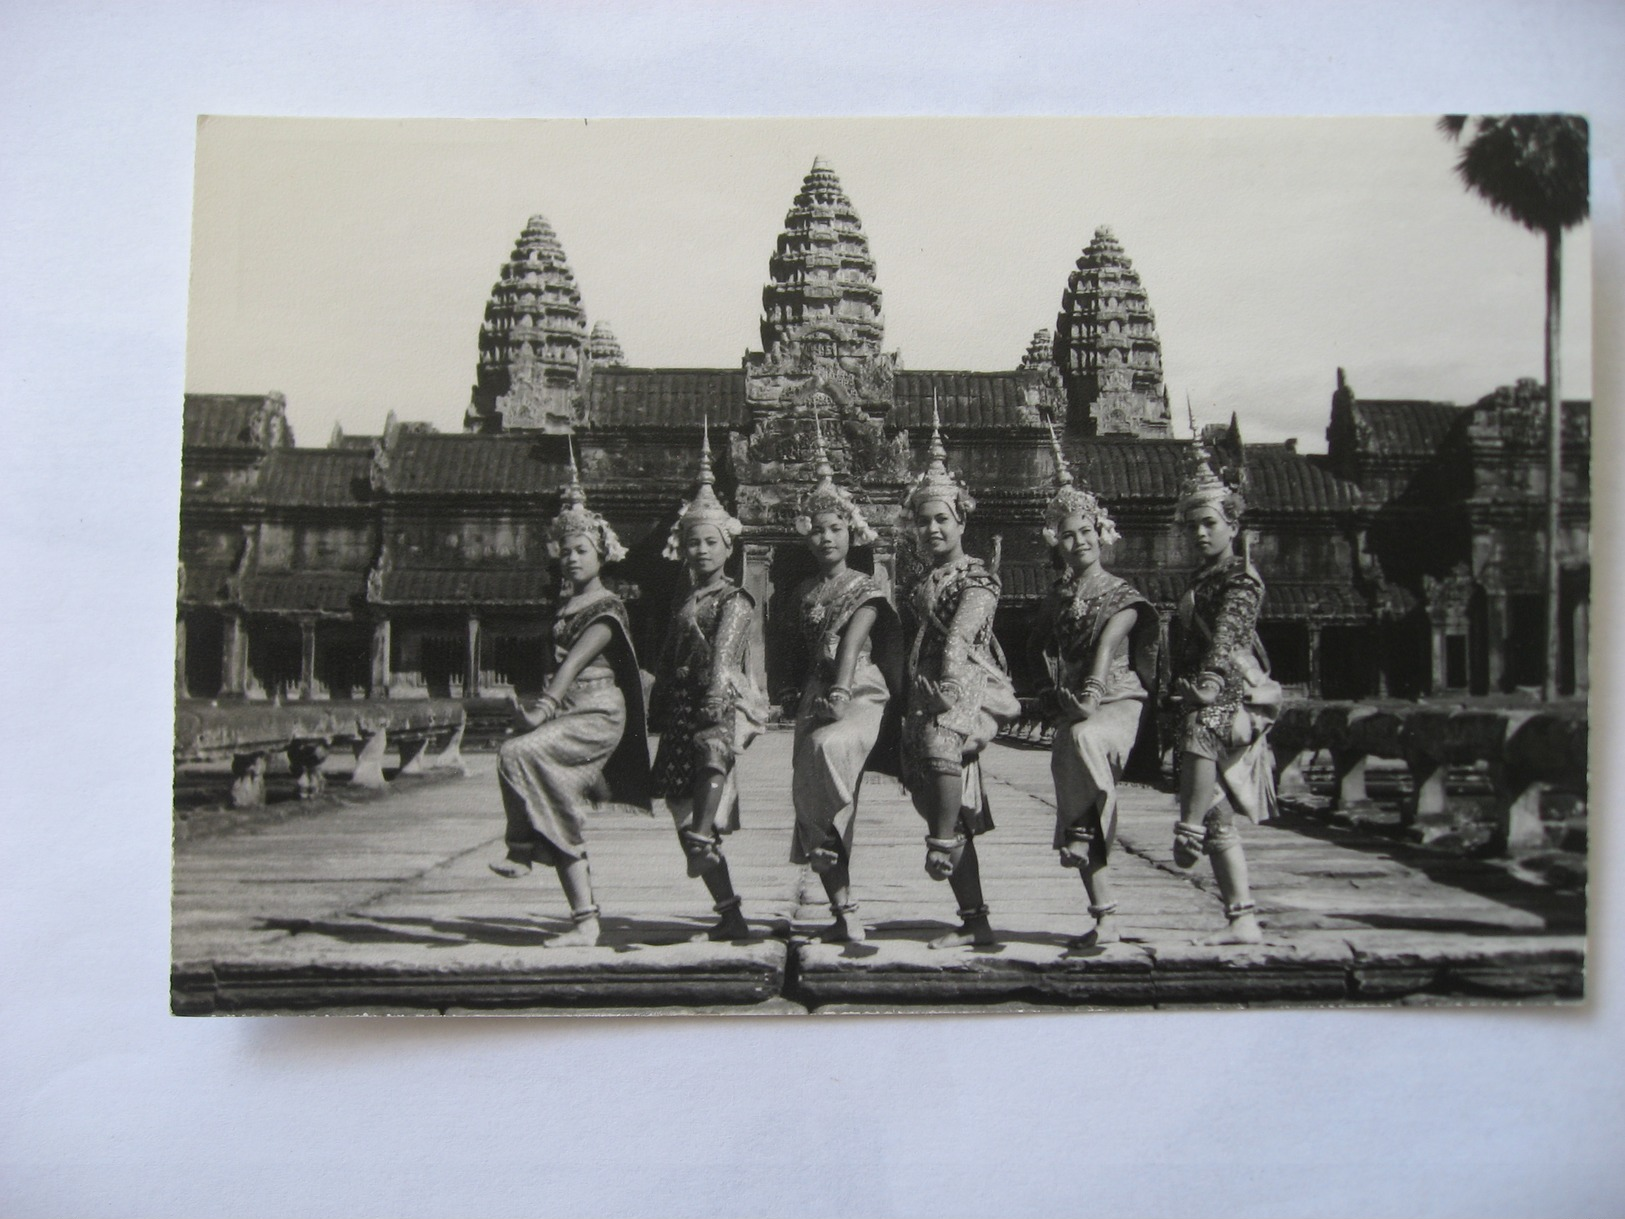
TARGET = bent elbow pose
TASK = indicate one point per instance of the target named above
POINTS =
(844, 694)
(1221, 681)
(958, 695)
(585, 733)
(1094, 641)
(709, 710)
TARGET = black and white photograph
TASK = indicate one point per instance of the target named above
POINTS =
(852, 565)
(685, 608)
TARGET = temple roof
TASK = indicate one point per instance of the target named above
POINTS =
(966, 400)
(665, 397)
(1282, 480)
(307, 478)
(533, 585)
(436, 463)
(331, 592)
(235, 421)
(1399, 427)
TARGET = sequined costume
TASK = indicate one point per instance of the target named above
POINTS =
(1087, 757)
(1218, 637)
(831, 755)
(594, 750)
(700, 698)
(954, 651)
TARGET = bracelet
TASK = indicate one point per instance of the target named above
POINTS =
(1093, 685)
(843, 693)
(549, 703)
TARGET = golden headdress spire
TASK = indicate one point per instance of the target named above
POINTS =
(827, 497)
(1071, 500)
(704, 508)
(1204, 485)
(937, 483)
(575, 518)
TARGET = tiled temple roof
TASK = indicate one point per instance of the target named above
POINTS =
(469, 586)
(1396, 427)
(1281, 480)
(307, 478)
(1313, 602)
(234, 421)
(1118, 470)
(966, 400)
(435, 463)
(665, 397)
(331, 592)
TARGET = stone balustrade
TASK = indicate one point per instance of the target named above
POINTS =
(427, 733)
(1533, 759)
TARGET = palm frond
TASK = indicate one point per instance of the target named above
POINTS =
(1534, 168)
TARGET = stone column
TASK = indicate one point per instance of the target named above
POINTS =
(1582, 646)
(234, 659)
(1496, 627)
(180, 656)
(1379, 637)
(471, 669)
(307, 659)
(1437, 681)
(1314, 660)
(759, 584)
(379, 687)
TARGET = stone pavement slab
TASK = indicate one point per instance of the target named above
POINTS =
(388, 905)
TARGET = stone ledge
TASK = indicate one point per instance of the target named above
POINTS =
(1320, 968)
(568, 979)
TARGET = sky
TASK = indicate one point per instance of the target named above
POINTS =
(346, 263)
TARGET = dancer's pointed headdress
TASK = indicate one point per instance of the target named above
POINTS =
(1204, 486)
(704, 508)
(827, 497)
(937, 483)
(1072, 500)
(576, 518)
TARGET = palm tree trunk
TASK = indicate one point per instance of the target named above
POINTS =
(1554, 446)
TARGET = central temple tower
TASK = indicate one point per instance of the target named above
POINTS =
(1107, 347)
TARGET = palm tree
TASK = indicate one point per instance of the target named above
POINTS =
(1535, 169)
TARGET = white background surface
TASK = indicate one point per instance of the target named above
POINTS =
(108, 1106)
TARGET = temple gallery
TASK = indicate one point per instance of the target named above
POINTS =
(1405, 561)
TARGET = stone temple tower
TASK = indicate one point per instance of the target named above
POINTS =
(821, 290)
(1107, 347)
(533, 341)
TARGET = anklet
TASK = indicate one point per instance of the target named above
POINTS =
(583, 915)
(1100, 912)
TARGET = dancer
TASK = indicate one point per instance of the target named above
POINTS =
(958, 692)
(707, 708)
(850, 636)
(1228, 699)
(585, 735)
(1096, 640)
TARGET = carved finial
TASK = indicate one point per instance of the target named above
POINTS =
(938, 454)
(574, 495)
(1063, 476)
(823, 469)
(706, 476)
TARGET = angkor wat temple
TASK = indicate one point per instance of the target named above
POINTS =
(1405, 561)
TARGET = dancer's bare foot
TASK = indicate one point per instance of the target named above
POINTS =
(731, 926)
(846, 929)
(1102, 933)
(975, 930)
(585, 934)
(1243, 929)
(511, 869)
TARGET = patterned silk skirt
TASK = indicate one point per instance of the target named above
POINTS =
(550, 776)
(1086, 762)
(829, 758)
